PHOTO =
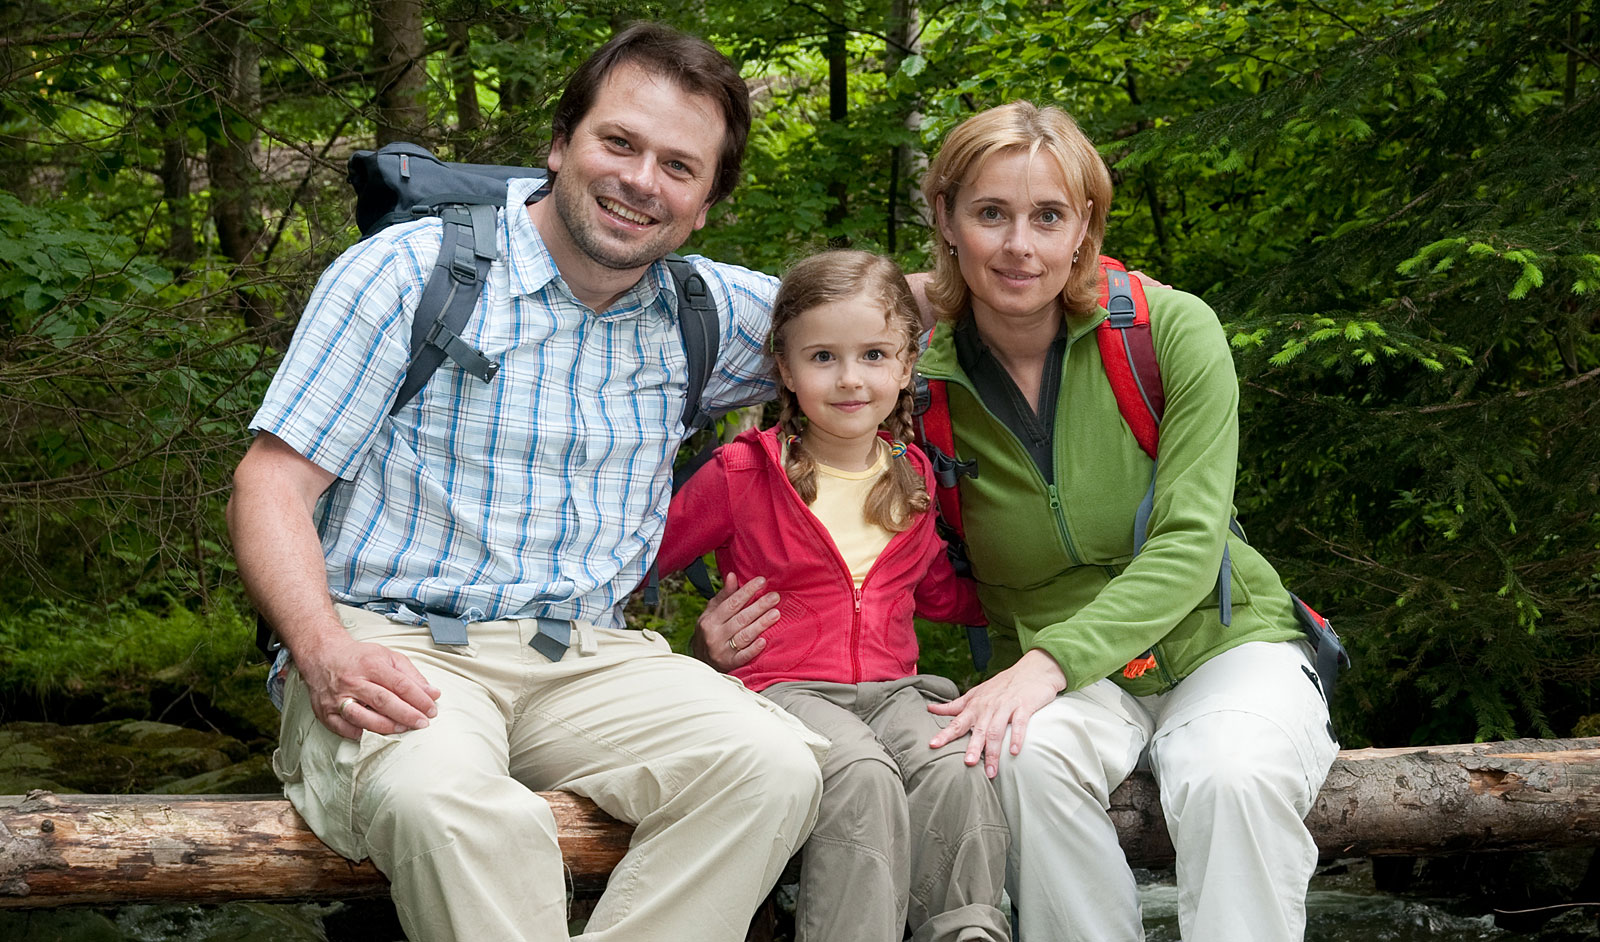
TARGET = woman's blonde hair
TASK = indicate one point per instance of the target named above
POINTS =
(900, 495)
(1019, 127)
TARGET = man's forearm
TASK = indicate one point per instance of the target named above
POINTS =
(280, 555)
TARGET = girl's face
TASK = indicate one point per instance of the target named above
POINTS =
(846, 364)
(1014, 228)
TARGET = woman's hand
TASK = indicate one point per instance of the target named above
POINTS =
(1009, 698)
(728, 634)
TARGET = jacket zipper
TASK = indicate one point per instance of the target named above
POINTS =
(844, 571)
(855, 634)
(1061, 525)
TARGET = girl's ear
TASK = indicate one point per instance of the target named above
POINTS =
(783, 372)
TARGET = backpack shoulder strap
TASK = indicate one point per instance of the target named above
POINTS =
(939, 444)
(448, 297)
(701, 330)
(1129, 354)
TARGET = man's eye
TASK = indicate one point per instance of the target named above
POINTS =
(677, 166)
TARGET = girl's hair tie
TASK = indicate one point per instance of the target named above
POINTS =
(793, 441)
(897, 449)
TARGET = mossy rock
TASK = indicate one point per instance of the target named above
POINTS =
(111, 758)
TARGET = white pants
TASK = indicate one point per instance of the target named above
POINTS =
(1239, 749)
(722, 787)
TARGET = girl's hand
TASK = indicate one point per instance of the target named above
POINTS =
(728, 634)
(1009, 698)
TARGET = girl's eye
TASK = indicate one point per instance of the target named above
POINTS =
(822, 356)
(874, 355)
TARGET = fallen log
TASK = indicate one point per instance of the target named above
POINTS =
(58, 850)
(1523, 794)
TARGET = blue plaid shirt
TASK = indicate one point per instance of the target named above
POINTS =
(541, 493)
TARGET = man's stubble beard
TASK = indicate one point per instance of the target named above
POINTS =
(572, 208)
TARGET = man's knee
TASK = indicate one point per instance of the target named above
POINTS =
(409, 812)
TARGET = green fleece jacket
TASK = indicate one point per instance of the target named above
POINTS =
(1054, 559)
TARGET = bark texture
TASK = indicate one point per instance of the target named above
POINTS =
(93, 849)
(1523, 794)
(58, 850)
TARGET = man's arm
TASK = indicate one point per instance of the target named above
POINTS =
(275, 491)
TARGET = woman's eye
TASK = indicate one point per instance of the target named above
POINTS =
(1049, 217)
(988, 213)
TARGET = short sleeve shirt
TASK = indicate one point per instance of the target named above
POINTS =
(543, 492)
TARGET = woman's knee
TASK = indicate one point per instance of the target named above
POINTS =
(1232, 758)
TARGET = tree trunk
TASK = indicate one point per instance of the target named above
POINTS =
(459, 55)
(836, 50)
(96, 849)
(397, 57)
(910, 163)
(231, 156)
(182, 248)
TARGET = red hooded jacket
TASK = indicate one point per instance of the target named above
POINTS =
(742, 505)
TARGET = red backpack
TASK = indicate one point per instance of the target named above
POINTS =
(1128, 354)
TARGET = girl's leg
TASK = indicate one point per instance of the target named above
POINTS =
(1067, 874)
(959, 837)
(853, 880)
(1240, 751)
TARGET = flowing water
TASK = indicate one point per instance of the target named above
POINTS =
(1342, 906)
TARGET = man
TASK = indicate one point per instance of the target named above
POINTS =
(525, 509)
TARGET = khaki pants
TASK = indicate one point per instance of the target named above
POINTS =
(906, 833)
(1239, 749)
(720, 786)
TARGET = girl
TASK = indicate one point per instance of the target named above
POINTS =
(835, 510)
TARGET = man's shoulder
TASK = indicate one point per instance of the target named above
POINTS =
(737, 282)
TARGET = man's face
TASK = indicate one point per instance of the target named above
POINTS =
(634, 181)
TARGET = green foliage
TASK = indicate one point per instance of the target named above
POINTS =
(1392, 206)
(138, 661)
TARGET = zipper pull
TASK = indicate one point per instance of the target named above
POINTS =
(856, 593)
(1055, 499)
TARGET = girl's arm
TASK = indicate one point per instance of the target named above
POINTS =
(944, 596)
(699, 520)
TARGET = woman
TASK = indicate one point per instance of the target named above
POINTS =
(1229, 716)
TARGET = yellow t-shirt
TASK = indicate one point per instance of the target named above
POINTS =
(840, 505)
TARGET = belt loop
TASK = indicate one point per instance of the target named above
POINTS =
(588, 644)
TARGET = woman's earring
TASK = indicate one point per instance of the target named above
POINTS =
(952, 251)
(1074, 256)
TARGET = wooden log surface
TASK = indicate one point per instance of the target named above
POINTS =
(60, 850)
(1524, 794)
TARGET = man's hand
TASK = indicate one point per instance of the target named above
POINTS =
(1147, 281)
(1008, 699)
(728, 634)
(355, 686)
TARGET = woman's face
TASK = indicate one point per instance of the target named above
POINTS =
(1014, 229)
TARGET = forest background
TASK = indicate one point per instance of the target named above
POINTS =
(1394, 208)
